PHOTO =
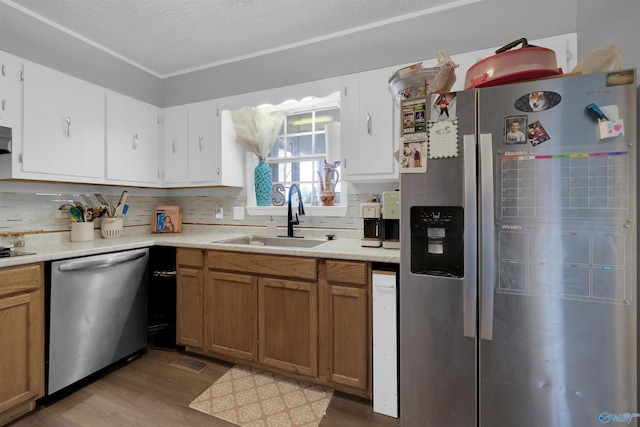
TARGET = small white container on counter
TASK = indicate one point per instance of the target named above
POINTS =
(111, 227)
(81, 231)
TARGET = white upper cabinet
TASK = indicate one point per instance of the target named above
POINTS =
(63, 133)
(132, 141)
(194, 152)
(175, 145)
(10, 90)
(368, 139)
(204, 147)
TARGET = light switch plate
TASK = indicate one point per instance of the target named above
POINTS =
(238, 213)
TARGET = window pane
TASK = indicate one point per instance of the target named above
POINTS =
(326, 116)
(307, 172)
(305, 147)
(281, 172)
(280, 147)
(275, 173)
(321, 145)
(301, 145)
(299, 123)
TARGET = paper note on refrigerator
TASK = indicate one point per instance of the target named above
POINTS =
(442, 139)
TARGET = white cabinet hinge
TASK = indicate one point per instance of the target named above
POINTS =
(20, 158)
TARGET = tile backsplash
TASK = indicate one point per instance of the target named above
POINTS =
(27, 207)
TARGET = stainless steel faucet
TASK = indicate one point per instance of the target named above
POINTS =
(290, 221)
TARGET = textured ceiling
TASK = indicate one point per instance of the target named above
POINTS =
(169, 37)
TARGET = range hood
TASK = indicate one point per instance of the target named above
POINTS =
(5, 140)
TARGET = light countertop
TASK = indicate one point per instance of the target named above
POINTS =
(59, 247)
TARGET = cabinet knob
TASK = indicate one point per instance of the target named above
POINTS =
(134, 144)
(4, 104)
(369, 123)
(200, 142)
(174, 146)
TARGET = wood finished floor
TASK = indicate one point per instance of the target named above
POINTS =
(149, 392)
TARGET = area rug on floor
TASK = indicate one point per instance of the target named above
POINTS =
(250, 397)
(189, 364)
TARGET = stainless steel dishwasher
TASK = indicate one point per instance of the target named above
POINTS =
(97, 314)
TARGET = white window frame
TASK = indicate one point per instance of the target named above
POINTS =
(293, 107)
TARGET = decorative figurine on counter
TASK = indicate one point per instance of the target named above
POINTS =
(328, 184)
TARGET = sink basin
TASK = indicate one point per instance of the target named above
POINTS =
(283, 242)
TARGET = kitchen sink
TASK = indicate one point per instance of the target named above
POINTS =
(283, 242)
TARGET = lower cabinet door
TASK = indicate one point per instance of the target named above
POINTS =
(21, 349)
(189, 306)
(230, 314)
(347, 335)
(288, 325)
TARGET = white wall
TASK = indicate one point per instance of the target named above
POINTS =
(26, 37)
(466, 28)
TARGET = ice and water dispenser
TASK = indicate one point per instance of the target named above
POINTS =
(437, 240)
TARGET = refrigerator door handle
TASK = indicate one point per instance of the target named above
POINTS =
(469, 290)
(487, 247)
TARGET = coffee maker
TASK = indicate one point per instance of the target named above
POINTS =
(370, 213)
(391, 219)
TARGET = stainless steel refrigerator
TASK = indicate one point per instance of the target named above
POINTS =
(518, 282)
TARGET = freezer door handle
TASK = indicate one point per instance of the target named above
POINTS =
(469, 289)
(103, 261)
(487, 247)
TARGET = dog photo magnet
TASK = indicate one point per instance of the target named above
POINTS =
(533, 102)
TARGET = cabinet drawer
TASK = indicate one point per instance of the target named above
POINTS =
(191, 257)
(20, 279)
(356, 273)
(265, 265)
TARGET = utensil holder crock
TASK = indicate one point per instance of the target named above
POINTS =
(111, 227)
(81, 231)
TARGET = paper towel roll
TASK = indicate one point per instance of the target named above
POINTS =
(332, 139)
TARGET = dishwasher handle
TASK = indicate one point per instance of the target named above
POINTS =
(104, 261)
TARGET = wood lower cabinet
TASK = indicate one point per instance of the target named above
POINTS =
(263, 308)
(304, 316)
(347, 322)
(288, 325)
(21, 339)
(230, 314)
(189, 298)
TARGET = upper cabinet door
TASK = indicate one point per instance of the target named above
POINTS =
(132, 140)
(10, 90)
(203, 143)
(367, 129)
(63, 124)
(175, 145)
(190, 140)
